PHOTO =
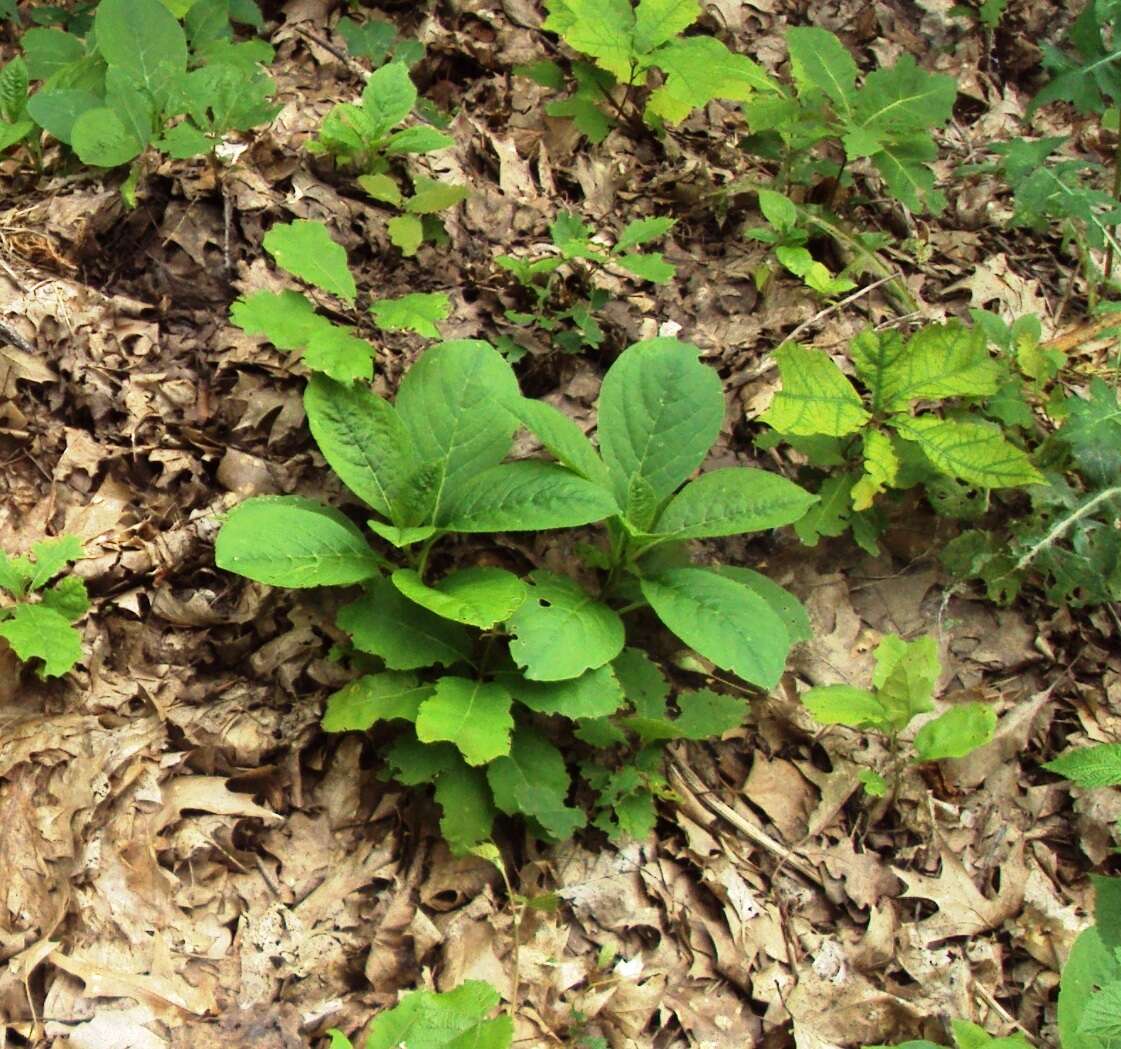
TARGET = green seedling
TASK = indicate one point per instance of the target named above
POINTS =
(16, 125)
(902, 688)
(377, 41)
(573, 327)
(38, 622)
(482, 668)
(822, 415)
(625, 43)
(367, 139)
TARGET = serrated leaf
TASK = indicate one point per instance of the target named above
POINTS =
(287, 319)
(372, 698)
(699, 69)
(731, 501)
(602, 29)
(974, 452)
(704, 714)
(1102, 1015)
(142, 38)
(430, 197)
(405, 232)
(414, 763)
(660, 409)
(293, 542)
(657, 21)
(560, 630)
(819, 61)
(593, 694)
(480, 596)
(528, 495)
(39, 632)
(464, 797)
(816, 397)
(846, 705)
(388, 98)
(419, 312)
(722, 620)
(533, 781)
(904, 677)
(405, 636)
(1090, 767)
(68, 597)
(1092, 431)
(961, 729)
(881, 468)
(453, 1020)
(305, 249)
(52, 556)
(651, 266)
(831, 515)
(473, 715)
(904, 97)
(643, 683)
(641, 231)
(563, 439)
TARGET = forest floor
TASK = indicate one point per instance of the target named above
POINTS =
(187, 859)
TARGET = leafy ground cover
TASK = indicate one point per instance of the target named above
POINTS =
(536, 768)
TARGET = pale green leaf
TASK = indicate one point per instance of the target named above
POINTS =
(533, 781)
(904, 677)
(338, 353)
(405, 636)
(305, 249)
(430, 197)
(52, 556)
(881, 468)
(961, 729)
(456, 1019)
(560, 630)
(68, 597)
(904, 97)
(41, 633)
(722, 620)
(641, 231)
(816, 397)
(594, 694)
(660, 410)
(778, 209)
(421, 140)
(480, 596)
(699, 69)
(405, 232)
(100, 138)
(651, 266)
(876, 786)
(658, 21)
(142, 38)
(783, 603)
(293, 542)
(733, 500)
(602, 29)
(974, 452)
(473, 715)
(529, 495)
(381, 187)
(419, 312)
(846, 705)
(1090, 767)
(819, 61)
(1102, 1016)
(563, 439)
(388, 98)
(372, 698)
(287, 319)
(1090, 964)
(903, 165)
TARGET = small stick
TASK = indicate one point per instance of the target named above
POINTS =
(841, 304)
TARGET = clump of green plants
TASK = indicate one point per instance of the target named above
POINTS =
(290, 319)
(902, 688)
(625, 43)
(367, 139)
(572, 326)
(430, 1020)
(481, 668)
(37, 621)
(142, 79)
(871, 441)
(377, 41)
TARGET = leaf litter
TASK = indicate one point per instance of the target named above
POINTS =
(187, 859)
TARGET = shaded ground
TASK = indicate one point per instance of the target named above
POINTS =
(186, 859)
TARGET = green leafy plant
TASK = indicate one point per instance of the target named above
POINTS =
(15, 124)
(366, 139)
(887, 120)
(37, 623)
(377, 41)
(625, 43)
(875, 441)
(431, 1020)
(902, 688)
(967, 1035)
(143, 79)
(481, 666)
(572, 326)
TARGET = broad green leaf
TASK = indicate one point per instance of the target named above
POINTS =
(49, 50)
(1092, 431)
(524, 496)
(1090, 964)
(778, 209)
(405, 232)
(846, 705)
(601, 733)
(456, 1019)
(963, 728)
(100, 138)
(651, 266)
(905, 98)
(1089, 767)
(39, 632)
(68, 597)
(641, 231)
(974, 452)
(594, 694)
(287, 319)
(904, 677)
(57, 111)
(388, 98)
(816, 397)
(414, 763)
(903, 165)
(51, 557)
(881, 468)
(643, 683)
(15, 574)
(429, 196)
(819, 61)
(184, 141)
(142, 38)
(603, 29)
(464, 796)
(293, 542)
(419, 312)
(658, 21)
(544, 72)
(338, 353)
(563, 439)
(831, 515)
(457, 402)
(372, 698)
(533, 781)
(783, 603)
(733, 500)
(876, 786)
(697, 70)
(305, 249)
(474, 715)
(1102, 1016)
(405, 636)
(560, 630)
(722, 620)
(704, 714)
(480, 596)
(383, 188)
(365, 442)
(401, 537)
(660, 409)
